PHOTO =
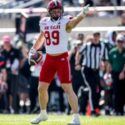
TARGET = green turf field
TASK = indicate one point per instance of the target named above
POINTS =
(60, 120)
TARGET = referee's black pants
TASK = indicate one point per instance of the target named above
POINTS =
(91, 79)
(118, 93)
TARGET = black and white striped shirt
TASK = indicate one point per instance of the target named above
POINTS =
(93, 54)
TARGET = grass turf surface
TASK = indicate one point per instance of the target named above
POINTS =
(60, 120)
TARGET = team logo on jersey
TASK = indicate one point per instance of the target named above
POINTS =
(55, 27)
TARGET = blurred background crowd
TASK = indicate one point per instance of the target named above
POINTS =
(15, 3)
(19, 80)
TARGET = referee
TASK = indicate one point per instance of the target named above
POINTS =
(93, 52)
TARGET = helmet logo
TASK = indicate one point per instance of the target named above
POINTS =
(55, 1)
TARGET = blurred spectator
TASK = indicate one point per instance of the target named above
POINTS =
(12, 58)
(33, 94)
(77, 80)
(3, 84)
(76, 75)
(23, 81)
(122, 19)
(105, 78)
(106, 84)
(110, 40)
(117, 66)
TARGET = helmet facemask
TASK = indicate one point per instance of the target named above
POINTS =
(55, 14)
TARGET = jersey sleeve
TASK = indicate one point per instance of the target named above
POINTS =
(42, 22)
(68, 18)
(40, 25)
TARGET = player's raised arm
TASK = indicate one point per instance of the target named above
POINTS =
(71, 24)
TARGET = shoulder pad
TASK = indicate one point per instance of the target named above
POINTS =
(44, 19)
(68, 17)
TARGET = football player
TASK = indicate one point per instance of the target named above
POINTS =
(55, 31)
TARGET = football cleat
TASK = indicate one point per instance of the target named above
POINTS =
(41, 117)
(75, 121)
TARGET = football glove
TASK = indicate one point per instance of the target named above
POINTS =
(85, 10)
(31, 53)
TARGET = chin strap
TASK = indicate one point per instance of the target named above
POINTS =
(56, 19)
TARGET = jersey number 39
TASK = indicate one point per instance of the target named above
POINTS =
(52, 38)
